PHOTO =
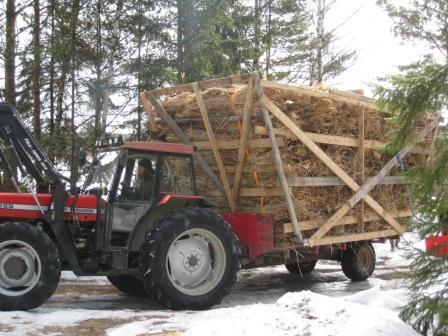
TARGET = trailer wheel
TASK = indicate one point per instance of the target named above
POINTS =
(190, 259)
(304, 267)
(358, 261)
(128, 284)
(30, 267)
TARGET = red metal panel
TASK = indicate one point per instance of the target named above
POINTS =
(162, 147)
(24, 206)
(437, 245)
(252, 229)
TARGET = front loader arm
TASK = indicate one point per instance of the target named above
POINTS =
(31, 159)
(24, 148)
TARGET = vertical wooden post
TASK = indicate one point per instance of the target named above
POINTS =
(360, 178)
(248, 106)
(278, 162)
(214, 146)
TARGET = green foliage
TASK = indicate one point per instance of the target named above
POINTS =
(420, 88)
(422, 20)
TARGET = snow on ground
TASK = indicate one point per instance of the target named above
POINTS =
(265, 301)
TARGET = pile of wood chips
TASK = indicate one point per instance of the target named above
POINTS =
(333, 117)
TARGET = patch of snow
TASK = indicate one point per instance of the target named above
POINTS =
(372, 312)
(27, 323)
(70, 276)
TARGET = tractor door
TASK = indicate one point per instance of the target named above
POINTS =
(134, 195)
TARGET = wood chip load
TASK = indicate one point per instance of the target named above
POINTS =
(327, 144)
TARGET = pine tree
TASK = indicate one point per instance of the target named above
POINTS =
(418, 89)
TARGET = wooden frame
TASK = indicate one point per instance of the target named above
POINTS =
(359, 184)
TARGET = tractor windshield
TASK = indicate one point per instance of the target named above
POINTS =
(102, 173)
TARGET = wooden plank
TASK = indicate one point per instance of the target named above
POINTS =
(245, 128)
(391, 164)
(362, 192)
(235, 144)
(326, 181)
(346, 220)
(278, 162)
(356, 237)
(348, 98)
(149, 112)
(333, 139)
(253, 192)
(184, 139)
(216, 153)
(311, 145)
(360, 179)
(224, 81)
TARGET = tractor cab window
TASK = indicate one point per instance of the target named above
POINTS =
(103, 171)
(134, 192)
(137, 179)
(176, 175)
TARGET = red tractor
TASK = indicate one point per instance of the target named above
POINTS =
(136, 220)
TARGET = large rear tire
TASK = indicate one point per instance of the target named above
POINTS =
(30, 267)
(358, 261)
(128, 284)
(190, 259)
(304, 267)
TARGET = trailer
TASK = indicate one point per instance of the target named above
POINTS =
(300, 173)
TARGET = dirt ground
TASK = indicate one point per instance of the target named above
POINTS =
(95, 299)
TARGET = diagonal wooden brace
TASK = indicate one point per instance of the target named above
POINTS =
(278, 161)
(184, 139)
(311, 145)
(367, 187)
(214, 146)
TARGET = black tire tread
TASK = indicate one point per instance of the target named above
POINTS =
(50, 260)
(128, 284)
(302, 267)
(164, 229)
(350, 262)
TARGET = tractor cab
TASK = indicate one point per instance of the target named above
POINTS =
(131, 180)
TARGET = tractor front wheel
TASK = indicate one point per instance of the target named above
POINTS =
(30, 267)
(190, 259)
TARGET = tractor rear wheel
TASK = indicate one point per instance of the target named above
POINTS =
(128, 284)
(30, 267)
(190, 259)
(358, 261)
(303, 267)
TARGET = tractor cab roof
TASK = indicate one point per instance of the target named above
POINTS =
(160, 147)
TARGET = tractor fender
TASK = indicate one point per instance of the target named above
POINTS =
(166, 204)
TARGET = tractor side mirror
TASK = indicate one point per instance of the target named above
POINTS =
(82, 159)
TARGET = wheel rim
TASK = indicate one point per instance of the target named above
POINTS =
(20, 267)
(196, 262)
(364, 259)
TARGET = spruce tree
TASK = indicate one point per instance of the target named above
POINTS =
(418, 89)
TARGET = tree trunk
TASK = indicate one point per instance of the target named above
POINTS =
(51, 84)
(318, 77)
(10, 53)
(139, 41)
(110, 64)
(257, 29)
(98, 71)
(73, 160)
(180, 37)
(269, 39)
(36, 70)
